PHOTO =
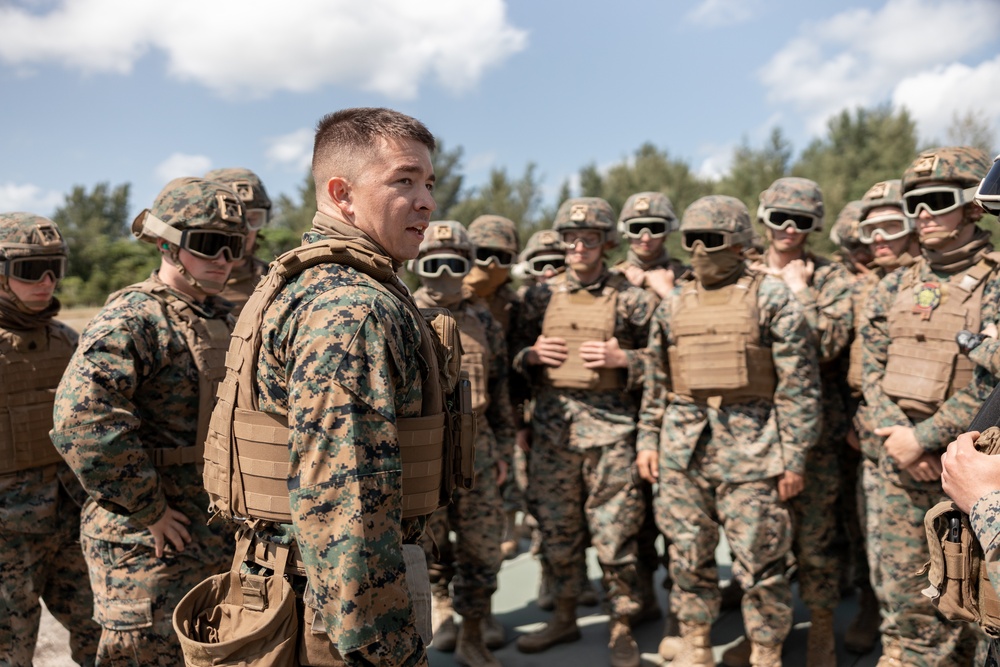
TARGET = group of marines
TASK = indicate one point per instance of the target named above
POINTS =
(798, 404)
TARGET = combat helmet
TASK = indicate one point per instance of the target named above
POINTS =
(30, 247)
(961, 165)
(587, 213)
(717, 221)
(845, 229)
(448, 242)
(889, 226)
(647, 207)
(495, 239)
(249, 188)
(544, 249)
(792, 200)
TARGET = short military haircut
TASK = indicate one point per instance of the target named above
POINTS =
(347, 139)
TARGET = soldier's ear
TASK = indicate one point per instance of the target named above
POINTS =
(341, 195)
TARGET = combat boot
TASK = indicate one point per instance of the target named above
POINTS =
(820, 651)
(696, 646)
(892, 653)
(493, 632)
(508, 548)
(624, 650)
(765, 656)
(737, 655)
(471, 650)
(561, 629)
(445, 630)
(863, 632)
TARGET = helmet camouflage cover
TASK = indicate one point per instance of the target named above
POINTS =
(446, 235)
(244, 183)
(27, 234)
(648, 206)
(494, 231)
(190, 203)
(883, 193)
(587, 213)
(793, 194)
(719, 213)
(543, 242)
(962, 165)
(845, 229)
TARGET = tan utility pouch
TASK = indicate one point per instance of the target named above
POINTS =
(460, 457)
(240, 619)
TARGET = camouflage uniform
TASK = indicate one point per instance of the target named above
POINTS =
(248, 271)
(985, 520)
(40, 556)
(719, 463)
(912, 630)
(126, 417)
(580, 472)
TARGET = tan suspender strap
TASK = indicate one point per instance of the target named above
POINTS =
(421, 445)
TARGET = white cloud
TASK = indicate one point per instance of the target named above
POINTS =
(181, 164)
(481, 162)
(255, 47)
(718, 13)
(716, 160)
(292, 150)
(860, 56)
(29, 198)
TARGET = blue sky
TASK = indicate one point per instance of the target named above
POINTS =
(141, 92)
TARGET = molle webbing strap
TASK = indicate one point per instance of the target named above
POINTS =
(421, 440)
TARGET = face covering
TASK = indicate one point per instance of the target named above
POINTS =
(714, 268)
(445, 291)
(485, 280)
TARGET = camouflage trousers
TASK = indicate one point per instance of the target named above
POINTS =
(897, 551)
(135, 594)
(689, 510)
(868, 489)
(513, 487)
(571, 490)
(851, 515)
(814, 521)
(471, 563)
(50, 567)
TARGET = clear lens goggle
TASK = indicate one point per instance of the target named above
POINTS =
(988, 193)
(588, 240)
(432, 266)
(936, 199)
(657, 229)
(540, 264)
(780, 219)
(712, 241)
(500, 258)
(257, 218)
(34, 269)
(890, 227)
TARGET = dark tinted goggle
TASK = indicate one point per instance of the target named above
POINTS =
(209, 244)
(34, 269)
(936, 199)
(500, 258)
(433, 266)
(537, 266)
(778, 220)
(988, 194)
(712, 241)
(634, 229)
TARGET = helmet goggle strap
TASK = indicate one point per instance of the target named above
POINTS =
(936, 199)
(655, 228)
(499, 258)
(257, 218)
(781, 219)
(890, 227)
(712, 241)
(538, 265)
(988, 193)
(433, 266)
(571, 237)
(203, 243)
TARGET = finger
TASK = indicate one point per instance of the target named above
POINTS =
(182, 532)
(180, 516)
(158, 545)
(884, 430)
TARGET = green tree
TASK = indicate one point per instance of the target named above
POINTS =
(972, 129)
(448, 179)
(519, 199)
(753, 170)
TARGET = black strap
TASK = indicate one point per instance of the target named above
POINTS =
(989, 413)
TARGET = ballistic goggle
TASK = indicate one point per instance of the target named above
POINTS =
(988, 193)
(34, 269)
(712, 241)
(432, 266)
(500, 258)
(656, 228)
(890, 227)
(257, 218)
(204, 243)
(571, 238)
(936, 199)
(540, 264)
(779, 219)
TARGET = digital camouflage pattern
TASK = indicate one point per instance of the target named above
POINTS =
(39, 234)
(583, 452)
(725, 462)
(494, 231)
(883, 193)
(648, 206)
(792, 193)
(542, 242)
(338, 359)
(985, 520)
(587, 213)
(719, 213)
(897, 505)
(194, 203)
(845, 229)
(131, 387)
(962, 165)
(447, 235)
(246, 184)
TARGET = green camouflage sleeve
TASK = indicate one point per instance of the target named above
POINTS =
(97, 418)
(346, 355)
(880, 409)
(987, 355)
(500, 413)
(797, 392)
(656, 387)
(985, 520)
(826, 304)
(635, 311)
